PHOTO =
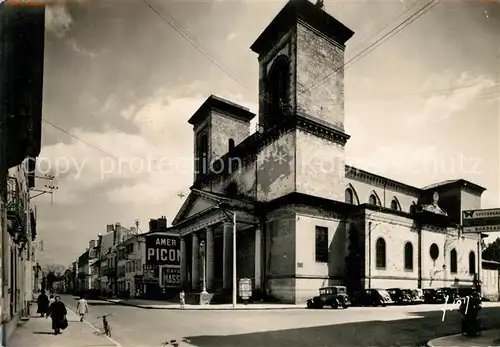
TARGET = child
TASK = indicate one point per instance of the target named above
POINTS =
(182, 297)
(82, 308)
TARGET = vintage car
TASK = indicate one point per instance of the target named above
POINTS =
(433, 296)
(372, 297)
(417, 296)
(399, 296)
(333, 296)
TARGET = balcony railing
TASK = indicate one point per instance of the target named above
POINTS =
(16, 214)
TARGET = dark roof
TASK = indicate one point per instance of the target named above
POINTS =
(223, 105)
(459, 181)
(303, 10)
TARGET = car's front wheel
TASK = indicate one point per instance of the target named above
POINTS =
(309, 304)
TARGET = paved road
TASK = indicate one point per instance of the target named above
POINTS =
(363, 326)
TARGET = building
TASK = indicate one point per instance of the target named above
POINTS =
(131, 255)
(304, 219)
(490, 280)
(22, 32)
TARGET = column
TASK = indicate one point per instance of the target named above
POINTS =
(210, 259)
(258, 259)
(183, 263)
(195, 275)
(227, 270)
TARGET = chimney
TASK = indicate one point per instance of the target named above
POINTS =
(153, 225)
(110, 228)
(162, 223)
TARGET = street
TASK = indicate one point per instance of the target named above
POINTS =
(356, 326)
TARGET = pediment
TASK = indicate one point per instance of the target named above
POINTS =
(193, 205)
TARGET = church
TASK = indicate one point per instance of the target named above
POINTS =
(303, 219)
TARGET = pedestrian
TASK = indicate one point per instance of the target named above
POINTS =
(42, 304)
(82, 308)
(182, 298)
(51, 301)
(58, 312)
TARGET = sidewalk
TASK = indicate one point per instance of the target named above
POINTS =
(488, 338)
(166, 305)
(37, 332)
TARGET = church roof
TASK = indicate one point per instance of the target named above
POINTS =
(307, 12)
(459, 181)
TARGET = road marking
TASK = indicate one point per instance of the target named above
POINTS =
(96, 329)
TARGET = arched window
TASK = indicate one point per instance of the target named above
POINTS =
(231, 144)
(408, 256)
(372, 200)
(472, 263)
(201, 155)
(278, 98)
(395, 205)
(434, 252)
(380, 253)
(453, 261)
(349, 196)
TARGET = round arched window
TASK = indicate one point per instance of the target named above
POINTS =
(434, 251)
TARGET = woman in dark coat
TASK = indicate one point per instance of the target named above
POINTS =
(58, 314)
(43, 304)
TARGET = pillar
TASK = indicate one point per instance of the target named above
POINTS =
(227, 266)
(258, 259)
(195, 275)
(183, 263)
(210, 259)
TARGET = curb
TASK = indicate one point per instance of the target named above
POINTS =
(204, 309)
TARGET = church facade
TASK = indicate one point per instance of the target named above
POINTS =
(304, 219)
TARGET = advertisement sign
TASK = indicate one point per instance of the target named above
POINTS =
(477, 221)
(245, 288)
(170, 276)
(163, 250)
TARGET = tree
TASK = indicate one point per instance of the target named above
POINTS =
(53, 273)
(492, 251)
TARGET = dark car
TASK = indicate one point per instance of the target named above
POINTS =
(417, 296)
(433, 296)
(371, 297)
(400, 296)
(333, 296)
(450, 293)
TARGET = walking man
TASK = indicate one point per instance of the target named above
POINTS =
(82, 308)
(182, 298)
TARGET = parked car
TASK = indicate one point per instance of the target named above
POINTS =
(399, 296)
(433, 296)
(333, 296)
(451, 293)
(371, 297)
(418, 296)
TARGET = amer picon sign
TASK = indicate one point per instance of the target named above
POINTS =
(163, 249)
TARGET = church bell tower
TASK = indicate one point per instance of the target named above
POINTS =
(301, 86)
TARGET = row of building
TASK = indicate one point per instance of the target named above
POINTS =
(22, 32)
(124, 261)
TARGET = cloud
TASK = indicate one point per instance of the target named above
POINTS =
(447, 96)
(162, 119)
(58, 21)
(159, 159)
(231, 36)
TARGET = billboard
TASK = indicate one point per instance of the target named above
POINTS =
(163, 250)
(477, 221)
(170, 276)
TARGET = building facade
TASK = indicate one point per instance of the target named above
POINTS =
(303, 218)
